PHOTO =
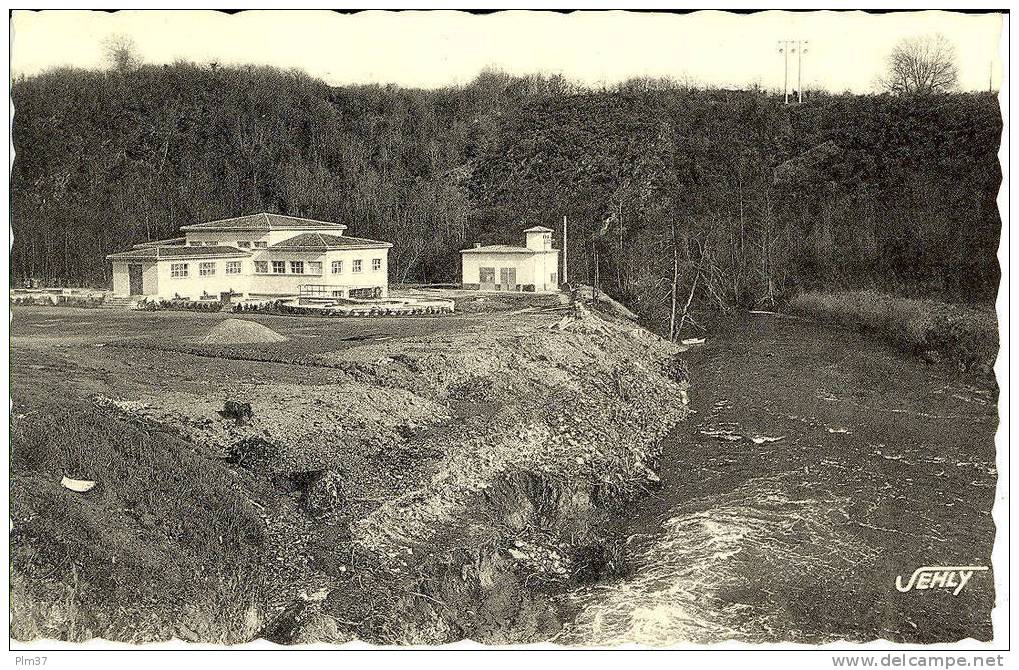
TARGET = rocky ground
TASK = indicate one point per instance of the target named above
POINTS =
(412, 486)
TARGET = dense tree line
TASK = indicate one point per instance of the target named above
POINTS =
(664, 186)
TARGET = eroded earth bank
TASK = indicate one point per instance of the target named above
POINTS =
(401, 480)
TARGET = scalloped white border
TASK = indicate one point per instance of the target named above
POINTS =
(784, 655)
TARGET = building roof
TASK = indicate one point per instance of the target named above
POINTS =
(167, 252)
(172, 242)
(500, 249)
(539, 229)
(265, 221)
(325, 242)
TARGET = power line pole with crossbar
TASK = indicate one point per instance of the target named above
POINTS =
(798, 47)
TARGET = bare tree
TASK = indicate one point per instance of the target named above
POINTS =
(121, 52)
(921, 65)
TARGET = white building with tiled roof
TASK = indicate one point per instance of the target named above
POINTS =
(501, 267)
(262, 255)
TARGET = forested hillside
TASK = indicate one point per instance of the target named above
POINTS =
(749, 198)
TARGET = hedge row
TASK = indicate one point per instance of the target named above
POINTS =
(278, 307)
(180, 305)
(87, 302)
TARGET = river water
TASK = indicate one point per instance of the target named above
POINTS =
(818, 466)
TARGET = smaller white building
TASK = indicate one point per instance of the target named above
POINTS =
(502, 267)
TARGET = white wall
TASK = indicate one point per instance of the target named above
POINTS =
(227, 238)
(150, 278)
(192, 286)
(535, 269)
(367, 277)
(158, 280)
(122, 278)
(288, 284)
(544, 265)
(473, 262)
(539, 241)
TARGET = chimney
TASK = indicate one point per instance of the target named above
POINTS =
(477, 245)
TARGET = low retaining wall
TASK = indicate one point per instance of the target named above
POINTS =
(57, 300)
(366, 309)
(518, 288)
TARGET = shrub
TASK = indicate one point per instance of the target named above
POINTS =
(85, 302)
(181, 305)
(280, 308)
(49, 300)
(966, 336)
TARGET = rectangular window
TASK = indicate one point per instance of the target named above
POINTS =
(337, 267)
(233, 267)
(279, 267)
(261, 267)
(206, 269)
(244, 244)
(376, 264)
(178, 270)
(297, 267)
(261, 245)
(357, 265)
(314, 268)
(486, 275)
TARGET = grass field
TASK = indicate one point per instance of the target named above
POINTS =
(165, 535)
(962, 335)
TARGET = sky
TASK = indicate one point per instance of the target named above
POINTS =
(845, 50)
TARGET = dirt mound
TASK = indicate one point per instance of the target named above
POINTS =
(604, 302)
(238, 331)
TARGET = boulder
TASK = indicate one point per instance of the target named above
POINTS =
(252, 450)
(240, 412)
(323, 494)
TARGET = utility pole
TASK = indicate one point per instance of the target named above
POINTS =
(566, 277)
(801, 46)
(783, 48)
(798, 47)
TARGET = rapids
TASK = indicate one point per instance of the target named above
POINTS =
(818, 466)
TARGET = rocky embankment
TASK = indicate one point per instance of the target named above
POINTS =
(570, 421)
(450, 486)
